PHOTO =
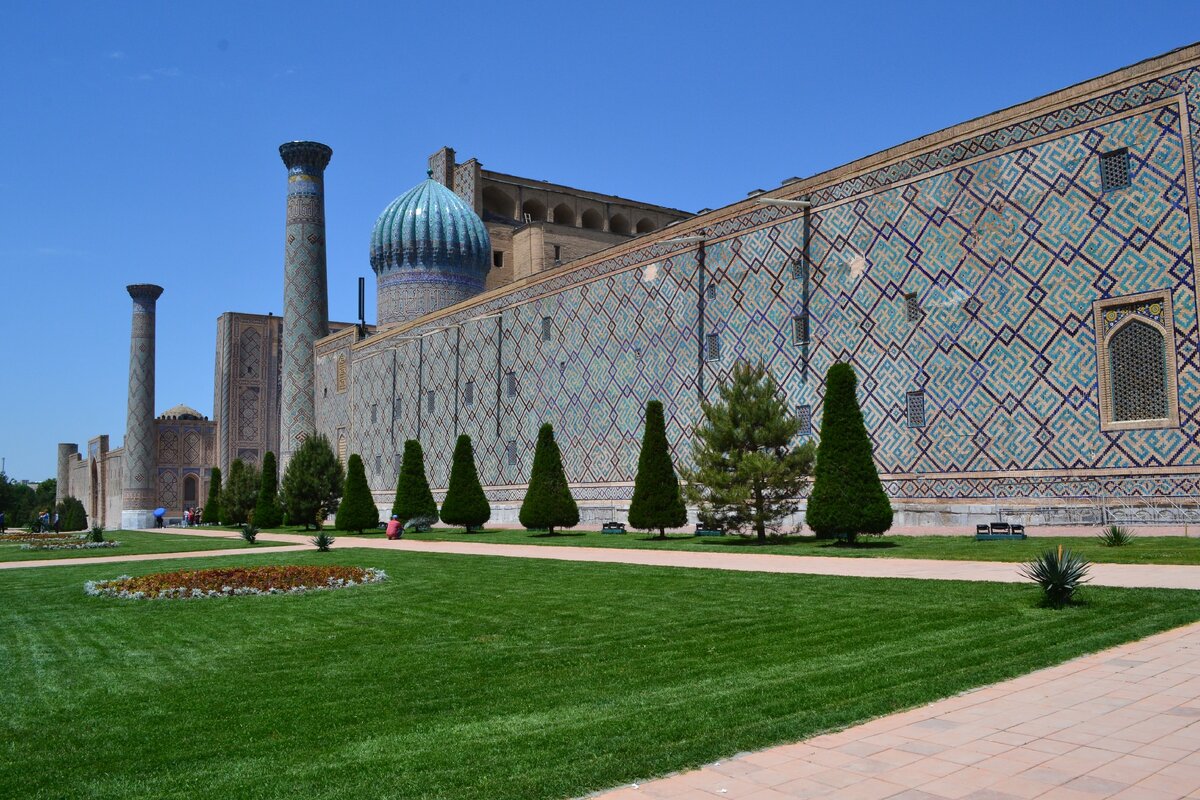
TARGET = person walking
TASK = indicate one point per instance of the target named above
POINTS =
(57, 524)
(3, 524)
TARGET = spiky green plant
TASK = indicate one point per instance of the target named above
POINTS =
(250, 533)
(1060, 573)
(97, 534)
(322, 541)
(1115, 536)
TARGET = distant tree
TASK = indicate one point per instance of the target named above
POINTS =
(45, 494)
(749, 471)
(71, 515)
(22, 498)
(267, 513)
(312, 483)
(847, 496)
(413, 497)
(357, 509)
(241, 492)
(212, 507)
(548, 502)
(465, 503)
(656, 502)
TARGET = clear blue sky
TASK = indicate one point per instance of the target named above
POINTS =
(140, 139)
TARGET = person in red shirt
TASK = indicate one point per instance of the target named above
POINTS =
(394, 528)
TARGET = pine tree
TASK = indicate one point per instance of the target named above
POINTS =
(413, 497)
(212, 508)
(847, 497)
(548, 501)
(312, 483)
(656, 502)
(748, 469)
(71, 514)
(266, 509)
(241, 492)
(465, 502)
(357, 509)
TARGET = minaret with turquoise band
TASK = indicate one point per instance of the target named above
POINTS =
(305, 292)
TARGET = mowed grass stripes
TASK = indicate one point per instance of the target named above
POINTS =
(468, 677)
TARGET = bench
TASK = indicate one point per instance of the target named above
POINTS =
(613, 527)
(703, 531)
(999, 531)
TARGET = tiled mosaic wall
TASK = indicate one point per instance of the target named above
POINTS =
(1006, 239)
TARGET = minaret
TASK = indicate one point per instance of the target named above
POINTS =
(305, 296)
(65, 451)
(138, 470)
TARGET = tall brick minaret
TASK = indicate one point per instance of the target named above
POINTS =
(305, 293)
(138, 463)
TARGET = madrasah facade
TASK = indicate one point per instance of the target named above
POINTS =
(1017, 294)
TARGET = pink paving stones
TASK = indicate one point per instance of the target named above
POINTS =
(1124, 723)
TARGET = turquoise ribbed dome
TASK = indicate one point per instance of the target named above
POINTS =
(429, 227)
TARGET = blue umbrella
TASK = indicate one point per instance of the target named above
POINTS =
(158, 512)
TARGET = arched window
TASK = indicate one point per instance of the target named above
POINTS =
(645, 225)
(619, 223)
(564, 214)
(593, 220)
(495, 201)
(535, 209)
(191, 490)
(1136, 359)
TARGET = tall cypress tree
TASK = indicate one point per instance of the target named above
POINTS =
(847, 496)
(656, 502)
(357, 509)
(413, 497)
(465, 503)
(267, 513)
(548, 502)
(212, 507)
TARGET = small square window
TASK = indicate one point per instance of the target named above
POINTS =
(799, 329)
(510, 452)
(915, 409)
(469, 393)
(798, 268)
(397, 462)
(712, 347)
(710, 292)
(547, 328)
(912, 307)
(396, 408)
(510, 379)
(378, 465)
(497, 258)
(1114, 170)
(429, 401)
(374, 413)
(557, 254)
(804, 414)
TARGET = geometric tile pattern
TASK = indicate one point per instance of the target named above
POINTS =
(138, 488)
(1004, 239)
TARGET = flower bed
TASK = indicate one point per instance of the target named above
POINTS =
(230, 581)
(75, 543)
(49, 536)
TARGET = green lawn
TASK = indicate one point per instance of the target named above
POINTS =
(1143, 550)
(132, 543)
(473, 677)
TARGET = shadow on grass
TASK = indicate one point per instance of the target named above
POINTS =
(752, 541)
(860, 545)
(556, 534)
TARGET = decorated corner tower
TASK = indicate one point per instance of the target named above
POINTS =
(429, 250)
(305, 292)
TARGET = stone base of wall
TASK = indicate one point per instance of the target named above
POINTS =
(136, 520)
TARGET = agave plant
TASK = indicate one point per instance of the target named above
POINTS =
(322, 541)
(250, 533)
(1059, 572)
(1115, 536)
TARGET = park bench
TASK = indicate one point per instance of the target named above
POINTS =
(613, 527)
(704, 531)
(998, 530)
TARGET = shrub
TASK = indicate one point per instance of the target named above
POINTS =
(240, 494)
(71, 515)
(357, 509)
(656, 502)
(465, 503)
(548, 502)
(1115, 536)
(322, 541)
(1059, 572)
(212, 508)
(250, 533)
(267, 513)
(847, 497)
(312, 483)
(97, 534)
(413, 497)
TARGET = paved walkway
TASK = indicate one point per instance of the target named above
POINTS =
(1124, 723)
(1162, 576)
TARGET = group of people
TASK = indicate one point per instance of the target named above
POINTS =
(43, 524)
(192, 516)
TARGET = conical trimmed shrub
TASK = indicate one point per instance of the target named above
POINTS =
(212, 507)
(465, 503)
(656, 502)
(357, 510)
(847, 497)
(548, 501)
(267, 513)
(413, 497)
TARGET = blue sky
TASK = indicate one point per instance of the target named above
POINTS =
(141, 139)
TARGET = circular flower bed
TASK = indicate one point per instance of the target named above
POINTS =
(72, 543)
(26, 536)
(229, 581)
